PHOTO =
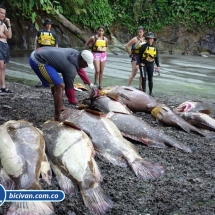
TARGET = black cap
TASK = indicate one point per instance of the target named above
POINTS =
(151, 35)
(47, 21)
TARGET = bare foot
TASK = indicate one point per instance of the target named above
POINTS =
(63, 108)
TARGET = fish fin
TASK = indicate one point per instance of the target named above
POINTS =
(96, 171)
(64, 182)
(115, 97)
(124, 96)
(153, 143)
(95, 112)
(45, 170)
(146, 169)
(146, 141)
(208, 134)
(68, 123)
(185, 128)
(174, 143)
(33, 208)
(96, 200)
(127, 88)
(118, 161)
(5, 180)
(112, 98)
(208, 112)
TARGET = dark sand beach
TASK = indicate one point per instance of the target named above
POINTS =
(186, 187)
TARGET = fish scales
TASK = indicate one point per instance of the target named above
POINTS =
(109, 143)
(71, 153)
(18, 141)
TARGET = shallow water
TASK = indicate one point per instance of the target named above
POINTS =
(192, 75)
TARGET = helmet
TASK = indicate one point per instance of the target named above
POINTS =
(47, 21)
(88, 57)
(151, 35)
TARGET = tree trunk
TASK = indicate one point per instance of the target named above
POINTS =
(72, 28)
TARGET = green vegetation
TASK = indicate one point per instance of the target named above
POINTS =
(152, 14)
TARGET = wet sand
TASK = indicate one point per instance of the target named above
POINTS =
(180, 74)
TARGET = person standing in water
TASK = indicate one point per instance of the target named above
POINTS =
(147, 56)
(5, 33)
(99, 50)
(135, 44)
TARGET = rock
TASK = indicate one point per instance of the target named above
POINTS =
(204, 54)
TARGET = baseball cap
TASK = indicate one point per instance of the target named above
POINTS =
(47, 21)
(88, 57)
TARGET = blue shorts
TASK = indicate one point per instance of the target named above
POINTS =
(47, 74)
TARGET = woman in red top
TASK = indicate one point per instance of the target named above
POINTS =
(99, 50)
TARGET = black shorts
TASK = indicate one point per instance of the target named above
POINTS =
(4, 52)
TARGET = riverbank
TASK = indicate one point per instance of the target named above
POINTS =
(180, 74)
(186, 187)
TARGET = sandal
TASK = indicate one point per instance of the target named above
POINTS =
(5, 90)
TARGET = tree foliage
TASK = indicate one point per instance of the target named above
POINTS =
(152, 14)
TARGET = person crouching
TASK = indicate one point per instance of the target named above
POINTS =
(48, 62)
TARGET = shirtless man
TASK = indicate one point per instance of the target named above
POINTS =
(5, 33)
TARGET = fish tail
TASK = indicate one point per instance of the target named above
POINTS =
(115, 160)
(64, 182)
(32, 208)
(146, 169)
(96, 200)
(5, 180)
(174, 143)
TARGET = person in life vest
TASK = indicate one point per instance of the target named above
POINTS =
(99, 45)
(135, 44)
(45, 37)
(148, 55)
(48, 62)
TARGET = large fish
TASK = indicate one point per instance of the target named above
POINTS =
(135, 128)
(131, 126)
(194, 106)
(166, 116)
(109, 143)
(105, 105)
(71, 153)
(200, 120)
(23, 159)
(135, 100)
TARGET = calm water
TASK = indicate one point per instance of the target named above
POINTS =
(193, 75)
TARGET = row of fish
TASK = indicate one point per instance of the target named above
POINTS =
(184, 116)
(194, 112)
(71, 146)
(19, 140)
(131, 126)
(71, 155)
